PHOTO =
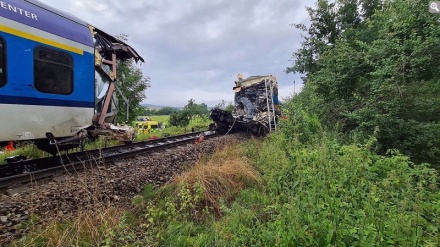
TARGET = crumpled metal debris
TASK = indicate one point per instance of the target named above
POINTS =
(256, 106)
(123, 133)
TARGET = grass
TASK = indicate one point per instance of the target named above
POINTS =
(87, 229)
(292, 188)
(161, 118)
(220, 178)
(320, 193)
(197, 123)
(30, 151)
(279, 192)
(177, 213)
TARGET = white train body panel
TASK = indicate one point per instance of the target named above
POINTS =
(27, 122)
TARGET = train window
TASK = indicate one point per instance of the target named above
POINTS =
(2, 62)
(53, 71)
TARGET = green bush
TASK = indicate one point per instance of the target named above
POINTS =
(363, 73)
(332, 194)
(299, 124)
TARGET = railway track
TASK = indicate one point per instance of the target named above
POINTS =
(62, 196)
(17, 173)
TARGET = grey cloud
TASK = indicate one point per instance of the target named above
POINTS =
(195, 48)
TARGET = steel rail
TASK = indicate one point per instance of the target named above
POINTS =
(47, 167)
(24, 166)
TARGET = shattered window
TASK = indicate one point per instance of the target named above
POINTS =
(2, 62)
(53, 71)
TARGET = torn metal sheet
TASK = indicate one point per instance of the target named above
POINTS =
(111, 44)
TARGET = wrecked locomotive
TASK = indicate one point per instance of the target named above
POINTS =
(256, 107)
(57, 76)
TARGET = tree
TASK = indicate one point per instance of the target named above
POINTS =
(194, 109)
(369, 7)
(322, 34)
(180, 118)
(225, 106)
(378, 73)
(132, 83)
(183, 117)
(230, 107)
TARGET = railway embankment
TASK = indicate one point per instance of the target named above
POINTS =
(284, 189)
(91, 190)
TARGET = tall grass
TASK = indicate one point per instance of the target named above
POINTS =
(322, 191)
(87, 229)
(291, 189)
(178, 213)
(314, 190)
(222, 177)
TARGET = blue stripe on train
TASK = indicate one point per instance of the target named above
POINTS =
(17, 100)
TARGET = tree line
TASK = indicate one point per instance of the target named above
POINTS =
(370, 67)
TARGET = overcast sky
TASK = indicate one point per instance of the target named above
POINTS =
(195, 48)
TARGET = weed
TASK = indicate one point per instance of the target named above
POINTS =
(286, 190)
(196, 197)
(29, 151)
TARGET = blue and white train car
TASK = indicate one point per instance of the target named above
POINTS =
(57, 73)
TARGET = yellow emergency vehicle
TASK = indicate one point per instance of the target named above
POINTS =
(146, 125)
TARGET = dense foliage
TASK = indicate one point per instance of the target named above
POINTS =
(372, 65)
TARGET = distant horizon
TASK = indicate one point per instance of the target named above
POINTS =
(173, 106)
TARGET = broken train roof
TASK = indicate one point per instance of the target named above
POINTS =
(255, 80)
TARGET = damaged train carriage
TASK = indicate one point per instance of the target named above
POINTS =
(57, 76)
(256, 107)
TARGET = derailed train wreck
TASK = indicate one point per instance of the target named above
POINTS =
(58, 80)
(256, 107)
